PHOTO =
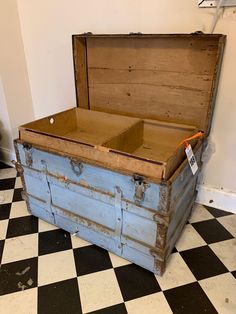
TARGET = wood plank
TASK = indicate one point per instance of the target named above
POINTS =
(192, 81)
(164, 103)
(179, 55)
(80, 68)
(168, 77)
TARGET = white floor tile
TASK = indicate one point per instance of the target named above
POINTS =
(226, 251)
(177, 273)
(6, 196)
(221, 290)
(99, 290)
(56, 267)
(118, 261)
(7, 173)
(19, 248)
(151, 304)
(18, 183)
(45, 226)
(22, 302)
(19, 209)
(189, 239)
(78, 242)
(3, 228)
(199, 213)
(229, 222)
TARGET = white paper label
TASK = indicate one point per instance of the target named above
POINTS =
(191, 159)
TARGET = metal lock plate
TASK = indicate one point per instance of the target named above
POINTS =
(140, 187)
(77, 167)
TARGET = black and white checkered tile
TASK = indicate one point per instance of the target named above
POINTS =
(46, 270)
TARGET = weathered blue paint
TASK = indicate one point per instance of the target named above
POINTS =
(99, 178)
(99, 205)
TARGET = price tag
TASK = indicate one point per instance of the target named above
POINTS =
(191, 159)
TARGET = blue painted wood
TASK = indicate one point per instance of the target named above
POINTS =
(98, 205)
(99, 178)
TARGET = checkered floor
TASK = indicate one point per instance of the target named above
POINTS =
(46, 270)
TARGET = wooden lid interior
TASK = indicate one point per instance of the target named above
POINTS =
(162, 77)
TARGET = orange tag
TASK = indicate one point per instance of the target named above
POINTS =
(185, 142)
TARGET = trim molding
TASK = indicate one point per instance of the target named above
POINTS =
(7, 155)
(213, 197)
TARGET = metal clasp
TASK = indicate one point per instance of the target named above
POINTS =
(77, 167)
(140, 188)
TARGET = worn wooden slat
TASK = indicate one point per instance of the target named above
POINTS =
(144, 76)
(99, 179)
(80, 68)
(158, 78)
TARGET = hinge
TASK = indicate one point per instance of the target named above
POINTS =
(197, 33)
(87, 33)
(135, 34)
(140, 187)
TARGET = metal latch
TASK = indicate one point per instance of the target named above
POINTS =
(140, 188)
(77, 167)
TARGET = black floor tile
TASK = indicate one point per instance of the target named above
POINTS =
(174, 250)
(203, 262)
(136, 282)
(91, 259)
(59, 298)
(212, 231)
(22, 226)
(5, 211)
(115, 309)
(18, 275)
(54, 241)
(1, 250)
(234, 273)
(7, 184)
(189, 299)
(217, 212)
(4, 166)
(17, 195)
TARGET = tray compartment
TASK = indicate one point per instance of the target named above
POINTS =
(153, 140)
(82, 126)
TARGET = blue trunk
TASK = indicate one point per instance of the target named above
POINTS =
(128, 215)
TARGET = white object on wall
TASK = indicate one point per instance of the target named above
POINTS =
(214, 3)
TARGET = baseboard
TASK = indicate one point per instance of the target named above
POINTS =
(217, 198)
(7, 155)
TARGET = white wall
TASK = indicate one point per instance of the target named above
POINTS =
(15, 97)
(47, 26)
(5, 128)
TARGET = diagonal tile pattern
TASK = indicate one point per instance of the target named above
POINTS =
(46, 270)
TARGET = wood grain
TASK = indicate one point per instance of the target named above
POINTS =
(80, 68)
(163, 77)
